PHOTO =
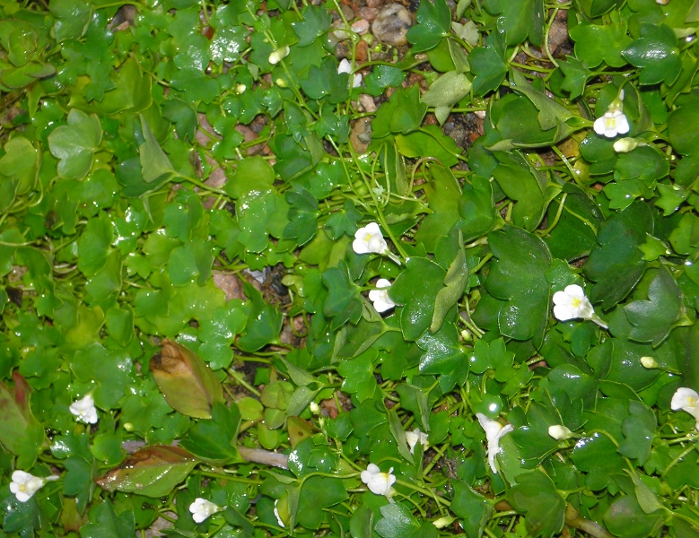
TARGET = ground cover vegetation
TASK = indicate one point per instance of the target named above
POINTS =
(327, 268)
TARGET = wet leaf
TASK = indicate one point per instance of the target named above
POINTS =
(151, 471)
(187, 383)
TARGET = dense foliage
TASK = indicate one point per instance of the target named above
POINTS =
(190, 277)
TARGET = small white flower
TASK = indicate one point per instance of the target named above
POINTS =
(240, 88)
(614, 121)
(315, 408)
(278, 55)
(559, 432)
(201, 509)
(369, 240)
(688, 400)
(494, 431)
(85, 410)
(25, 485)
(626, 144)
(378, 483)
(649, 363)
(379, 296)
(571, 303)
(414, 437)
(344, 67)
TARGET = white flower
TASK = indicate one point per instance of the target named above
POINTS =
(379, 296)
(414, 437)
(571, 303)
(624, 145)
(649, 363)
(369, 239)
(85, 410)
(614, 121)
(559, 432)
(25, 485)
(201, 509)
(378, 483)
(346, 67)
(687, 400)
(240, 88)
(494, 431)
(279, 54)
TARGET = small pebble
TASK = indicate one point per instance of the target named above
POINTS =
(392, 24)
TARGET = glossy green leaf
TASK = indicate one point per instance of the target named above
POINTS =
(535, 494)
(518, 277)
(653, 318)
(616, 264)
(187, 383)
(151, 471)
(417, 289)
(434, 20)
(75, 144)
(656, 54)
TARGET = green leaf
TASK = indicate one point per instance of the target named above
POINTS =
(416, 288)
(213, 439)
(264, 322)
(489, 69)
(652, 319)
(434, 22)
(21, 162)
(443, 193)
(617, 264)
(382, 77)
(656, 54)
(151, 471)
(93, 245)
(315, 21)
(154, 161)
(72, 19)
(519, 20)
(447, 90)
(455, 282)
(397, 522)
(358, 376)
(595, 44)
(106, 524)
(471, 507)
(626, 519)
(535, 494)
(518, 277)
(75, 144)
(187, 383)
(402, 113)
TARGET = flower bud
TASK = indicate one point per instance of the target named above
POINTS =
(625, 145)
(185, 380)
(559, 432)
(279, 54)
(649, 363)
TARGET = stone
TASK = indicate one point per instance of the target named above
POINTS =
(392, 24)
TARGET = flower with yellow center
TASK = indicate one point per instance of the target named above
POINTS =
(25, 485)
(369, 239)
(571, 303)
(378, 483)
(687, 400)
(614, 121)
